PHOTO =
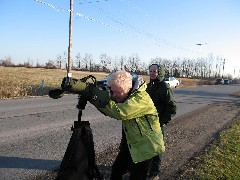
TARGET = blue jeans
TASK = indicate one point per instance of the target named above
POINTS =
(156, 161)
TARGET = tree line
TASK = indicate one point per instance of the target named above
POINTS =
(204, 68)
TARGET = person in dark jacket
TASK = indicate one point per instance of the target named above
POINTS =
(164, 100)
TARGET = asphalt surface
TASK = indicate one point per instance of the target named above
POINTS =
(35, 131)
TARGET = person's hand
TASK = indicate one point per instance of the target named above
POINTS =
(56, 93)
(67, 81)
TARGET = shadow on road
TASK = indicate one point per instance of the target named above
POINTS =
(28, 163)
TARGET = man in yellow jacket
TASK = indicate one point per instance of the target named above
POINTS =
(128, 101)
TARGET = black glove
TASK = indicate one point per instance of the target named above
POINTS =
(56, 93)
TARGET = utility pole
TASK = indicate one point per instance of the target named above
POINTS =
(69, 74)
(223, 68)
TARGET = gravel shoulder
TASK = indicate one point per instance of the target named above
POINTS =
(189, 135)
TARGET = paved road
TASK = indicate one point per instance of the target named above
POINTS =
(34, 132)
(189, 99)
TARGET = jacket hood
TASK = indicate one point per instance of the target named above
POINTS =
(161, 73)
(137, 83)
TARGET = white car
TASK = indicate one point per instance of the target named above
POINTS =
(172, 81)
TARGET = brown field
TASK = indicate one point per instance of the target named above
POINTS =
(22, 82)
(19, 82)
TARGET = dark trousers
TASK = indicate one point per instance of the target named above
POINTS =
(156, 161)
(124, 164)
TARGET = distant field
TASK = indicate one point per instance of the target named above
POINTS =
(21, 82)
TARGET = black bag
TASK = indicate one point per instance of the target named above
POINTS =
(79, 159)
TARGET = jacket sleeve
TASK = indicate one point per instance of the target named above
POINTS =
(170, 107)
(98, 97)
(135, 106)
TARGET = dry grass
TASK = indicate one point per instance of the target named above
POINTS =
(21, 82)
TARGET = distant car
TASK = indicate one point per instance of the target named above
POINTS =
(219, 81)
(172, 81)
(226, 82)
(103, 82)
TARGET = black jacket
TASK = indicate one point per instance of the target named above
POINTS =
(163, 98)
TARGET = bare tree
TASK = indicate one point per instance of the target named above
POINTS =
(78, 60)
(105, 62)
(88, 61)
(189, 68)
(133, 63)
(218, 66)
(168, 67)
(122, 60)
(50, 64)
(143, 68)
(65, 59)
(7, 61)
(115, 64)
(156, 60)
(59, 61)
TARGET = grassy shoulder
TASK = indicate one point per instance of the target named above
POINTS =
(221, 160)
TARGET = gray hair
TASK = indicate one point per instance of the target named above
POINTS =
(121, 79)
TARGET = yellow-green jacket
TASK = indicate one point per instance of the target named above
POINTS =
(140, 124)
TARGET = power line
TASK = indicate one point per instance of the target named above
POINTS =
(160, 43)
(94, 20)
(90, 2)
(52, 6)
(147, 14)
